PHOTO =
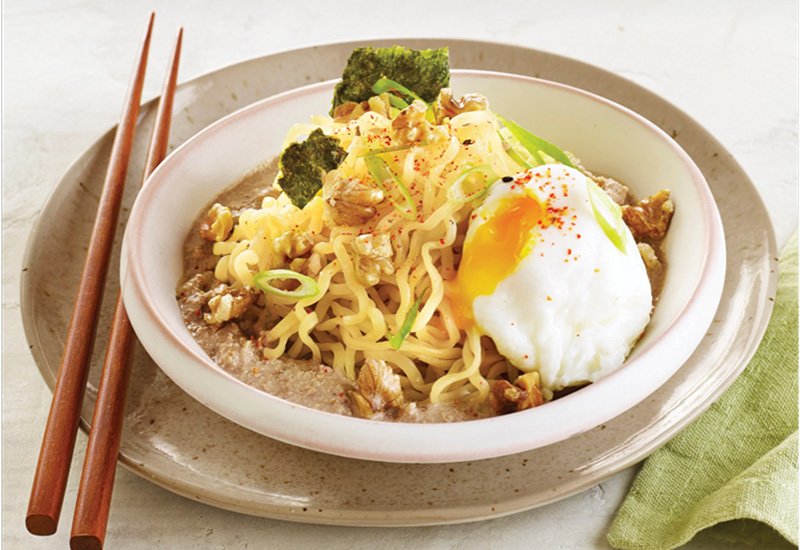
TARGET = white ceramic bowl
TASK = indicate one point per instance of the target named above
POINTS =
(607, 137)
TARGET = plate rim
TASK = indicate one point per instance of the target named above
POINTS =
(396, 443)
(455, 515)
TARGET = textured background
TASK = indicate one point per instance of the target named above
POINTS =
(731, 65)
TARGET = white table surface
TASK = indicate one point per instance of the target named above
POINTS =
(732, 65)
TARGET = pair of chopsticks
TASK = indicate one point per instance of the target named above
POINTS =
(58, 441)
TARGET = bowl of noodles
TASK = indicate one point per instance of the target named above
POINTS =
(450, 286)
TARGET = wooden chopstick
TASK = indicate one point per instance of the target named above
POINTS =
(58, 441)
(99, 466)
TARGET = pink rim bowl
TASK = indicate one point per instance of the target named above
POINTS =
(607, 137)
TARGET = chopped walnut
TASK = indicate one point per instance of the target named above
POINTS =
(654, 267)
(525, 393)
(379, 390)
(293, 244)
(217, 224)
(618, 192)
(298, 264)
(379, 104)
(448, 107)
(227, 305)
(411, 125)
(373, 257)
(649, 257)
(313, 266)
(650, 217)
(349, 201)
(359, 405)
(351, 110)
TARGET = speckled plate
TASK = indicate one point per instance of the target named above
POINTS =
(176, 442)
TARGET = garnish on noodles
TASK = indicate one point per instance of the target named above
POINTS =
(431, 254)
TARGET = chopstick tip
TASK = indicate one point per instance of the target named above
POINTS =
(40, 524)
(85, 542)
(150, 26)
(177, 50)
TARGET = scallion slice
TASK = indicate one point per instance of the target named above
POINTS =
(405, 98)
(398, 103)
(458, 194)
(396, 340)
(384, 177)
(308, 287)
(608, 215)
(384, 85)
(536, 145)
(518, 154)
(383, 150)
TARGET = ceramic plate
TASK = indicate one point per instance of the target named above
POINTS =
(195, 174)
(176, 442)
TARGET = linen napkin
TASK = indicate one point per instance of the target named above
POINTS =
(738, 461)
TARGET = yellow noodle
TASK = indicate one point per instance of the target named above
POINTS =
(303, 331)
(349, 321)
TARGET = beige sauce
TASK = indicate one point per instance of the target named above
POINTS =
(303, 382)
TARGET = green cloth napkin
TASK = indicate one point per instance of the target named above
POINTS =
(738, 461)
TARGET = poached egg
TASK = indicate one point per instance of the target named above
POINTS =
(551, 274)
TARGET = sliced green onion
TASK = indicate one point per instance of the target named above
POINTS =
(308, 287)
(386, 150)
(458, 194)
(608, 215)
(536, 145)
(396, 340)
(397, 103)
(430, 114)
(381, 173)
(518, 154)
(387, 85)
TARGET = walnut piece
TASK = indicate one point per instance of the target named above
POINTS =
(313, 266)
(227, 305)
(351, 110)
(379, 390)
(293, 244)
(525, 393)
(618, 192)
(350, 201)
(410, 125)
(649, 219)
(373, 257)
(654, 267)
(379, 104)
(218, 223)
(651, 261)
(448, 107)
(359, 405)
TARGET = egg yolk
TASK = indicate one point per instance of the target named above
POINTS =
(492, 253)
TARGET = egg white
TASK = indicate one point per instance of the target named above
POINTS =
(575, 305)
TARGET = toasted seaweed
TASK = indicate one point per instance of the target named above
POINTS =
(303, 165)
(423, 71)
